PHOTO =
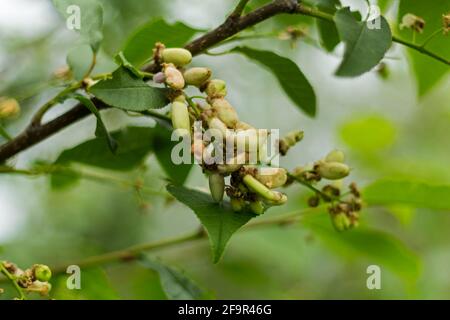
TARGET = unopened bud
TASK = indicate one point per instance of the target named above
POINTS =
(217, 186)
(225, 112)
(180, 116)
(341, 221)
(335, 156)
(411, 21)
(9, 107)
(314, 201)
(257, 207)
(237, 204)
(159, 77)
(272, 177)
(174, 77)
(290, 140)
(40, 287)
(215, 88)
(42, 272)
(332, 170)
(197, 76)
(178, 56)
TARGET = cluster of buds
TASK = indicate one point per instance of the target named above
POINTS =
(9, 108)
(34, 279)
(343, 207)
(411, 21)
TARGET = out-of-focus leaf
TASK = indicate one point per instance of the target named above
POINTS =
(139, 46)
(69, 178)
(376, 247)
(220, 221)
(163, 149)
(364, 47)
(368, 134)
(95, 285)
(288, 74)
(176, 285)
(427, 70)
(89, 14)
(134, 144)
(129, 93)
(101, 130)
(79, 59)
(417, 194)
(328, 33)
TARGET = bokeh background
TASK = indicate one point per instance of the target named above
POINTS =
(381, 123)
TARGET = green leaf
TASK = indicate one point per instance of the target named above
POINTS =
(176, 285)
(139, 47)
(126, 92)
(427, 70)
(66, 179)
(290, 77)
(417, 194)
(364, 47)
(327, 30)
(369, 134)
(134, 144)
(121, 60)
(163, 149)
(375, 247)
(90, 15)
(95, 285)
(220, 221)
(101, 130)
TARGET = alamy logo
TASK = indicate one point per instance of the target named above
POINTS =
(374, 18)
(374, 280)
(73, 21)
(74, 280)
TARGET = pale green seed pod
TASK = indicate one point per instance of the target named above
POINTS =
(332, 170)
(178, 56)
(265, 193)
(341, 222)
(216, 88)
(217, 186)
(237, 204)
(272, 177)
(197, 76)
(293, 137)
(225, 112)
(281, 199)
(174, 77)
(180, 116)
(9, 107)
(257, 207)
(335, 156)
(42, 272)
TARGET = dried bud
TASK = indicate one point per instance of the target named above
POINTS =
(197, 76)
(257, 207)
(180, 116)
(341, 221)
(178, 56)
(335, 156)
(332, 170)
(272, 177)
(41, 272)
(41, 287)
(289, 141)
(215, 88)
(314, 201)
(174, 77)
(217, 186)
(446, 23)
(237, 204)
(225, 112)
(9, 107)
(411, 21)
(159, 77)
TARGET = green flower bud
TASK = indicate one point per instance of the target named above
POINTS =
(217, 186)
(341, 221)
(180, 116)
(216, 88)
(289, 141)
(274, 197)
(174, 78)
(335, 156)
(272, 177)
(257, 207)
(178, 56)
(332, 170)
(197, 76)
(42, 272)
(225, 112)
(9, 107)
(237, 204)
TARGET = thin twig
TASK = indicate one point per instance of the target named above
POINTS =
(13, 280)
